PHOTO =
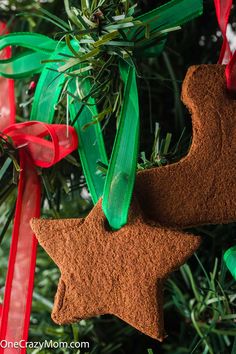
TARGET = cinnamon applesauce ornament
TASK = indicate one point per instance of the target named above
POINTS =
(113, 272)
(199, 189)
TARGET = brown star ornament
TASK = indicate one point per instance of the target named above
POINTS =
(113, 272)
(199, 189)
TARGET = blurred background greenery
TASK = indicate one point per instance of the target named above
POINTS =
(200, 298)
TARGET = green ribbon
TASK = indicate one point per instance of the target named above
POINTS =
(173, 13)
(230, 260)
(123, 164)
(30, 62)
(116, 189)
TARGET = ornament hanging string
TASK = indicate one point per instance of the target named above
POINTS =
(223, 8)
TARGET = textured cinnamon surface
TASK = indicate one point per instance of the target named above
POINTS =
(201, 188)
(106, 272)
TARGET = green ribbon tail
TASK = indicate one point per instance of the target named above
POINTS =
(123, 164)
(91, 145)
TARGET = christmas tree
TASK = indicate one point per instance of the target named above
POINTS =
(104, 59)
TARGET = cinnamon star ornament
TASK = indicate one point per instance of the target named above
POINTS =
(113, 272)
(201, 188)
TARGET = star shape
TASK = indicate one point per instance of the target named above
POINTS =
(113, 272)
(200, 188)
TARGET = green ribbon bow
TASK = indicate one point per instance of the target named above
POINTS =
(148, 40)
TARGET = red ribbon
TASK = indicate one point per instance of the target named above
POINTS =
(223, 8)
(41, 145)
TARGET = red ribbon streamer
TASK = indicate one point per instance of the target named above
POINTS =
(34, 150)
(41, 145)
(223, 8)
(7, 98)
